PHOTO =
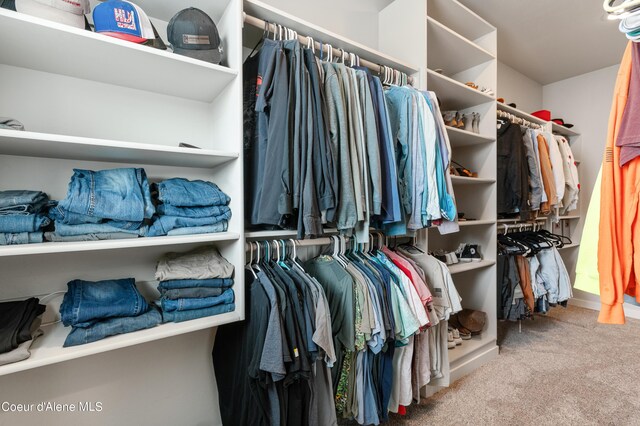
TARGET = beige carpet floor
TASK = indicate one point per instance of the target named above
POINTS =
(563, 369)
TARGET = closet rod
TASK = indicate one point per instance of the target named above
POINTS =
(273, 27)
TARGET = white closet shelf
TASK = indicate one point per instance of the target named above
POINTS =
(86, 246)
(459, 18)
(453, 94)
(32, 144)
(470, 346)
(519, 221)
(269, 13)
(521, 114)
(469, 266)
(452, 52)
(570, 246)
(574, 217)
(280, 234)
(48, 349)
(463, 180)
(556, 128)
(469, 223)
(460, 138)
(38, 44)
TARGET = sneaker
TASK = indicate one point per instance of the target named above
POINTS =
(468, 253)
(457, 339)
(451, 344)
(448, 258)
(464, 334)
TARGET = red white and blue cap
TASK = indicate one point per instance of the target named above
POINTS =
(123, 19)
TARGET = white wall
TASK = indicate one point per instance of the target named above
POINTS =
(585, 101)
(517, 88)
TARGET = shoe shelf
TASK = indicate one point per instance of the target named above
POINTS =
(459, 18)
(452, 52)
(469, 347)
(462, 138)
(521, 114)
(569, 246)
(574, 217)
(45, 145)
(463, 180)
(47, 349)
(469, 266)
(266, 12)
(129, 243)
(556, 128)
(453, 94)
(34, 43)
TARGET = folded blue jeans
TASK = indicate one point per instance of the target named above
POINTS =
(191, 292)
(185, 193)
(179, 316)
(96, 228)
(87, 301)
(23, 223)
(56, 238)
(22, 201)
(163, 224)
(195, 230)
(117, 194)
(206, 211)
(207, 283)
(169, 305)
(20, 238)
(111, 327)
(60, 215)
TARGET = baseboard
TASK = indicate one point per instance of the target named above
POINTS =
(630, 311)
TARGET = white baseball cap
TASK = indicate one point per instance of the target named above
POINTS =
(69, 12)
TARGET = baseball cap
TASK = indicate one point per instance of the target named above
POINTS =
(69, 12)
(127, 21)
(192, 33)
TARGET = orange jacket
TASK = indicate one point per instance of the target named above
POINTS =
(619, 237)
(547, 176)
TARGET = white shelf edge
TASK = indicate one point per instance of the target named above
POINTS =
(470, 266)
(47, 145)
(470, 346)
(466, 40)
(569, 246)
(470, 223)
(275, 234)
(521, 114)
(569, 217)
(462, 180)
(481, 138)
(54, 335)
(460, 85)
(262, 10)
(564, 131)
(86, 246)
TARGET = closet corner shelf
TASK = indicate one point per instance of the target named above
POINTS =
(280, 234)
(470, 266)
(459, 18)
(556, 128)
(469, 223)
(461, 138)
(462, 180)
(48, 349)
(84, 246)
(34, 43)
(453, 94)
(442, 42)
(521, 114)
(469, 347)
(269, 13)
(570, 246)
(45, 145)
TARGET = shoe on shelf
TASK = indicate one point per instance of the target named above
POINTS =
(456, 336)
(472, 85)
(451, 344)
(476, 123)
(464, 333)
(446, 257)
(460, 119)
(462, 171)
(487, 91)
(469, 121)
(449, 118)
(468, 253)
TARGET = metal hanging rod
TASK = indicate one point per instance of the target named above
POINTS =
(517, 227)
(329, 50)
(517, 120)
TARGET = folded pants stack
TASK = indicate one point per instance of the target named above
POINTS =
(194, 285)
(19, 327)
(190, 207)
(22, 216)
(106, 204)
(100, 309)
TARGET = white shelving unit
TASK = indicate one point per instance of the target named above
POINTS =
(90, 101)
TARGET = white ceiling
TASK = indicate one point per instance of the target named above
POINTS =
(550, 40)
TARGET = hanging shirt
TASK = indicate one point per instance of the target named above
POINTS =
(629, 134)
(556, 165)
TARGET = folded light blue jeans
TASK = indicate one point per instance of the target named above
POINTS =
(179, 316)
(169, 305)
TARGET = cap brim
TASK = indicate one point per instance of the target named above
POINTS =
(212, 55)
(34, 8)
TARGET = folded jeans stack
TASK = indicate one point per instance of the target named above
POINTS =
(19, 327)
(195, 284)
(22, 216)
(101, 309)
(105, 204)
(190, 207)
